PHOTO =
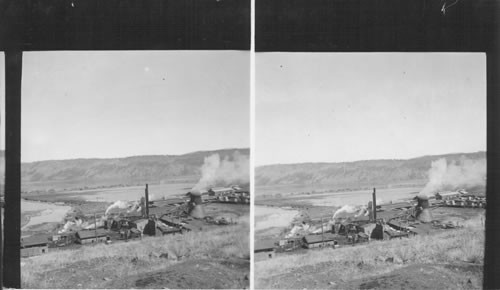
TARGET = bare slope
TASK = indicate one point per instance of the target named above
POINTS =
(74, 173)
(354, 174)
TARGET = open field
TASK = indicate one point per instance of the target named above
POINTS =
(451, 259)
(215, 258)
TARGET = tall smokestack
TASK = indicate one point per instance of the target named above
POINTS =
(147, 201)
(374, 203)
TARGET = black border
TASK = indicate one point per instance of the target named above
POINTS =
(376, 25)
(32, 25)
(11, 271)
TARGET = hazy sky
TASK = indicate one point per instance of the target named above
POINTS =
(331, 107)
(114, 104)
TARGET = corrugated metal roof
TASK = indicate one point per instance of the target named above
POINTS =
(91, 233)
(34, 241)
(264, 245)
(311, 239)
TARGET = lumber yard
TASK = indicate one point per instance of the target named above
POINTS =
(372, 222)
(127, 220)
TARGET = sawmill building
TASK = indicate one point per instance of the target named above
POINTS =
(33, 246)
(92, 236)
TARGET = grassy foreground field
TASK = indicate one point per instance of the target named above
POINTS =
(452, 259)
(217, 258)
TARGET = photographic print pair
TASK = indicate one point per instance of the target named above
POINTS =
(158, 168)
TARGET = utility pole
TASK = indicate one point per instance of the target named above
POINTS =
(322, 232)
(95, 227)
(374, 204)
(147, 201)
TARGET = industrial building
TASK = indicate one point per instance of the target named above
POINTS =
(161, 217)
(167, 230)
(447, 195)
(92, 236)
(216, 191)
(264, 249)
(320, 241)
(129, 234)
(34, 246)
(63, 239)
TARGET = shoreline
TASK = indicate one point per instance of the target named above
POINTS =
(46, 222)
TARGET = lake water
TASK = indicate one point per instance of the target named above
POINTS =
(267, 217)
(361, 197)
(131, 193)
(270, 217)
(43, 212)
(355, 197)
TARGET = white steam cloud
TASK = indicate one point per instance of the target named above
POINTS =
(463, 173)
(77, 223)
(350, 210)
(223, 172)
(120, 204)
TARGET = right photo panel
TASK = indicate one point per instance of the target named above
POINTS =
(370, 170)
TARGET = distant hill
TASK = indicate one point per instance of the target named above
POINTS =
(78, 173)
(354, 174)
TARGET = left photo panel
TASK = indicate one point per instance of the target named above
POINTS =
(135, 169)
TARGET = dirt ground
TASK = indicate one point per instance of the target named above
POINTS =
(195, 274)
(415, 276)
(189, 274)
(421, 276)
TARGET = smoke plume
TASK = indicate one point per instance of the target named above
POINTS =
(463, 173)
(231, 170)
(91, 225)
(77, 223)
(350, 210)
(120, 204)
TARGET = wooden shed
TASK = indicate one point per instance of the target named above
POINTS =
(92, 236)
(34, 246)
(264, 249)
(319, 241)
